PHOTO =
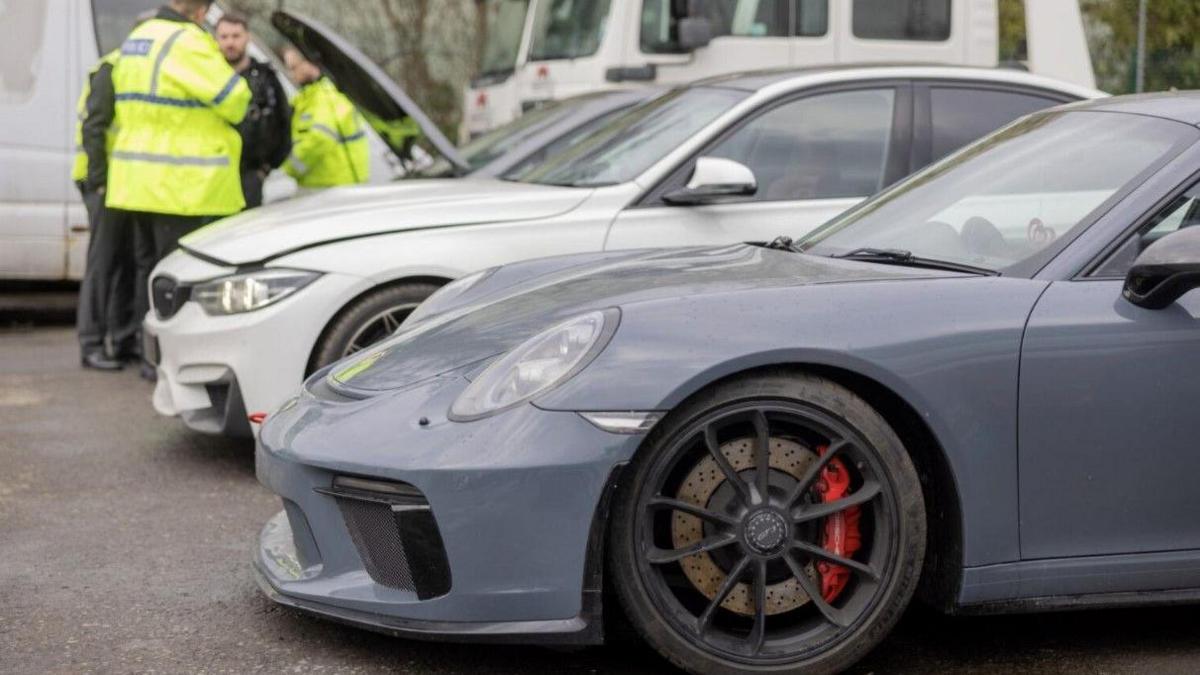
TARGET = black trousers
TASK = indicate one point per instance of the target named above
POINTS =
(105, 311)
(252, 187)
(151, 237)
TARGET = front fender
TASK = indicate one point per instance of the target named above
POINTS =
(949, 347)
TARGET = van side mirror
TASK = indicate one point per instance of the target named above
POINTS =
(713, 180)
(1166, 270)
(694, 32)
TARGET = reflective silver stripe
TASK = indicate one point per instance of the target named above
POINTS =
(169, 159)
(299, 166)
(335, 135)
(158, 61)
(304, 117)
(79, 148)
(327, 131)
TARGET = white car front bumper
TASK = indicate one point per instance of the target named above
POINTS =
(215, 370)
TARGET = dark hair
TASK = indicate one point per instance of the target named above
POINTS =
(235, 18)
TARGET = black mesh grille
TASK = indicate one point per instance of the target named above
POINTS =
(167, 296)
(395, 534)
(376, 535)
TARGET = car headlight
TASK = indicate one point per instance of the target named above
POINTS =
(249, 291)
(541, 362)
(434, 303)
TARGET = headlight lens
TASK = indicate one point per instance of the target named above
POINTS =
(445, 294)
(250, 291)
(541, 362)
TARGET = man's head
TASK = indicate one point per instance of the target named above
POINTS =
(233, 35)
(195, 10)
(301, 69)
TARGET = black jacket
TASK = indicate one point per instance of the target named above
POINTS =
(267, 129)
(101, 108)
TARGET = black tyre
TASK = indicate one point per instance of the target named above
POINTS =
(772, 524)
(368, 320)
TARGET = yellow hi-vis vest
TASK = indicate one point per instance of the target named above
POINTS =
(329, 141)
(79, 170)
(177, 101)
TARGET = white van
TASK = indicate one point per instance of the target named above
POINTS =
(46, 49)
(539, 50)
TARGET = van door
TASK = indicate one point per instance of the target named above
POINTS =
(35, 138)
(813, 156)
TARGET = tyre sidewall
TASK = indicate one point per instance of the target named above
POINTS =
(831, 399)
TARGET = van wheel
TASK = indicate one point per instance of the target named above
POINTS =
(368, 320)
(774, 524)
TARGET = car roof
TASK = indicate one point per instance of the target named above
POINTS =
(775, 80)
(1180, 106)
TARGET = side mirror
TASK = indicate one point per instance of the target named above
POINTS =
(713, 180)
(693, 33)
(1166, 270)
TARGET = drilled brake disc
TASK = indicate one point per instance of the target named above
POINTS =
(698, 488)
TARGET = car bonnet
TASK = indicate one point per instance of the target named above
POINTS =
(501, 319)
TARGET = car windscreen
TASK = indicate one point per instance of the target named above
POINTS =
(621, 150)
(1007, 198)
(498, 141)
(505, 21)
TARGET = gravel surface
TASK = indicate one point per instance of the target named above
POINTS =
(125, 544)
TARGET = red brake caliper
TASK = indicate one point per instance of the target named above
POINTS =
(842, 536)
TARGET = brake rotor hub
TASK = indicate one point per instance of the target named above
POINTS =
(765, 531)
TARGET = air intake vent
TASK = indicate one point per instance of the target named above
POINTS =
(395, 534)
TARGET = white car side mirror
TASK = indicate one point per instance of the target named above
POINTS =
(714, 179)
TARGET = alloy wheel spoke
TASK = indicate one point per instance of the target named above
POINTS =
(762, 453)
(662, 556)
(723, 592)
(832, 614)
(814, 551)
(758, 634)
(667, 503)
(814, 470)
(864, 494)
(714, 450)
(390, 324)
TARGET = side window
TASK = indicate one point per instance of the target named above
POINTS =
(927, 20)
(820, 147)
(812, 17)
(960, 115)
(1180, 213)
(742, 18)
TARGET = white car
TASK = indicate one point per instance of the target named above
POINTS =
(250, 305)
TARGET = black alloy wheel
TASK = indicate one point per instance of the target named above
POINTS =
(775, 526)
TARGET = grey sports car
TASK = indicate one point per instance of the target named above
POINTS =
(979, 385)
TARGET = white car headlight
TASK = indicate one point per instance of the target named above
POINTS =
(541, 362)
(249, 291)
(434, 303)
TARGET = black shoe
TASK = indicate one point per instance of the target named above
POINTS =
(128, 354)
(148, 372)
(99, 361)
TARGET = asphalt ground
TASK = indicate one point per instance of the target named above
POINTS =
(125, 543)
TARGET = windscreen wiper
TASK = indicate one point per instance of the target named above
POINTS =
(896, 256)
